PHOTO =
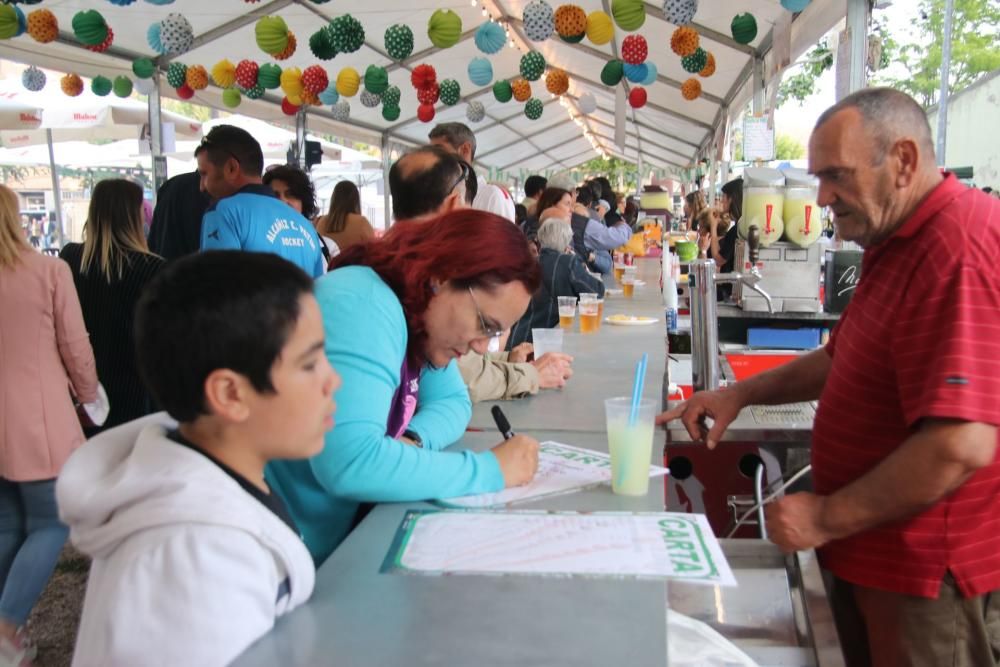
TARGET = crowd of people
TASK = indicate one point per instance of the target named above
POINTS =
(272, 372)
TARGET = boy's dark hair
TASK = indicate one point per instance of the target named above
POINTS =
(533, 185)
(218, 309)
(299, 185)
(228, 141)
(584, 195)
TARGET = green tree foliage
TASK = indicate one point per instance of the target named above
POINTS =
(624, 176)
(975, 48)
(788, 148)
(975, 51)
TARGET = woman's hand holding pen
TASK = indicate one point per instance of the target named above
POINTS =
(518, 459)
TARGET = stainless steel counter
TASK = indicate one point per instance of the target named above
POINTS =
(735, 312)
(361, 617)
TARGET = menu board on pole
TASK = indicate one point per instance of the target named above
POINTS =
(758, 139)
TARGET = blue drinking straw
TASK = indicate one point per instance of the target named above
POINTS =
(640, 379)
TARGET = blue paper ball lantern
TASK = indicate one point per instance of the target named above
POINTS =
(480, 71)
(651, 74)
(795, 5)
(636, 73)
(490, 37)
(153, 37)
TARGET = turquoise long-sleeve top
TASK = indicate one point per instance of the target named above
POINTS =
(366, 338)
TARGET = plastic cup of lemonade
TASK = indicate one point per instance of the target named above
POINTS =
(546, 340)
(631, 445)
(567, 311)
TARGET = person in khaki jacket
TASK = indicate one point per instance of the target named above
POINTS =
(419, 183)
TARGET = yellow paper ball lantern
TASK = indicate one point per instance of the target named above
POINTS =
(224, 74)
(348, 81)
(291, 84)
(600, 28)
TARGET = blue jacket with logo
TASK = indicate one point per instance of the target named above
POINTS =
(254, 219)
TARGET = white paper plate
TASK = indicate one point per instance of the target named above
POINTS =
(633, 322)
(612, 291)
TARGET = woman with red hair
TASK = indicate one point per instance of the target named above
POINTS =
(397, 312)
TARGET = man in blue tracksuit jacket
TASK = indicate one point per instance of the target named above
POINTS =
(246, 215)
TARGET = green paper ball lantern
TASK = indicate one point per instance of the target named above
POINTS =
(695, 62)
(399, 41)
(502, 91)
(143, 68)
(532, 65)
(9, 22)
(744, 28)
(376, 79)
(269, 76)
(612, 73)
(231, 98)
(390, 98)
(321, 44)
(346, 34)
(390, 113)
(533, 108)
(629, 14)
(573, 39)
(450, 92)
(122, 86)
(271, 33)
(444, 28)
(90, 27)
(101, 85)
(176, 75)
(255, 93)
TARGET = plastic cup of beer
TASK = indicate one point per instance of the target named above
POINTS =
(628, 284)
(619, 272)
(567, 311)
(546, 340)
(589, 309)
(630, 444)
(600, 312)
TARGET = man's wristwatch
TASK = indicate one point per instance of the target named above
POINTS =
(414, 436)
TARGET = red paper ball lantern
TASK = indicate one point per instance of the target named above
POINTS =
(288, 108)
(185, 92)
(425, 112)
(637, 97)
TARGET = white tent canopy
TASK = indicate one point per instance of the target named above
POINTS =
(669, 132)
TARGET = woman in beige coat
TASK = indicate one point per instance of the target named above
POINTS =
(45, 355)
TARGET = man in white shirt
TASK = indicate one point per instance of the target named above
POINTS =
(458, 138)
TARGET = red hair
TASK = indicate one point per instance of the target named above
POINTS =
(467, 247)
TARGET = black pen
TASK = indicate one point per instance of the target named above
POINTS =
(502, 423)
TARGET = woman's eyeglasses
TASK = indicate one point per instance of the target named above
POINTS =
(487, 330)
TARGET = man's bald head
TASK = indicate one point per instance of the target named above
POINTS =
(426, 179)
(888, 117)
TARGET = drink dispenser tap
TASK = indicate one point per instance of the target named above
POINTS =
(704, 314)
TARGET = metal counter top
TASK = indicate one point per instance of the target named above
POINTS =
(360, 617)
(735, 312)
(603, 367)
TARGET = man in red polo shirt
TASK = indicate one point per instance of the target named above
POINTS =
(906, 513)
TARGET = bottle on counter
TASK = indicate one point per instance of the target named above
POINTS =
(669, 292)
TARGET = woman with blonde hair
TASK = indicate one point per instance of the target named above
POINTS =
(344, 223)
(45, 356)
(694, 204)
(110, 268)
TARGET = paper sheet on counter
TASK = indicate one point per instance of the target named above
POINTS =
(612, 544)
(561, 469)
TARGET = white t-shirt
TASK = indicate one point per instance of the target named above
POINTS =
(493, 199)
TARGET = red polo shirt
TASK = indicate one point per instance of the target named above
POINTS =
(921, 338)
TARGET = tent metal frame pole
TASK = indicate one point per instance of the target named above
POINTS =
(758, 85)
(155, 110)
(386, 195)
(519, 139)
(858, 13)
(639, 123)
(942, 117)
(656, 107)
(300, 139)
(56, 192)
(635, 135)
